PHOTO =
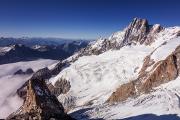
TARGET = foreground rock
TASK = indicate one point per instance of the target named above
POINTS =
(39, 104)
(44, 74)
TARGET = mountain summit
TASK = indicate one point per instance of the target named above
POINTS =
(113, 78)
(139, 31)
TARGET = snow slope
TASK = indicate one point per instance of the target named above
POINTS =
(94, 78)
(4, 50)
(164, 100)
(9, 83)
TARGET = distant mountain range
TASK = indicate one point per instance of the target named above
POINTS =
(37, 49)
(5, 41)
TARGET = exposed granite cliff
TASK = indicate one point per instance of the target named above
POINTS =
(139, 31)
(161, 72)
(39, 104)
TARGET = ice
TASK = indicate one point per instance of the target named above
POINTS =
(94, 78)
(163, 101)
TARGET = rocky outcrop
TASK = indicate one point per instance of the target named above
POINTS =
(139, 31)
(21, 72)
(22, 90)
(29, 71)
(165, 71)
(57, 69)
(177, 56)
(39, 104)
(123, 92)
(106, 44)
(161, 72)
(62, 86)
(44, 73)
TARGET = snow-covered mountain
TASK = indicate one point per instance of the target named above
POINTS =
(137, 32)
(134, 72)
(28, 41)
(19, 52)
(128, 64)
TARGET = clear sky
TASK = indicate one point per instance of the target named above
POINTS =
(87, 19)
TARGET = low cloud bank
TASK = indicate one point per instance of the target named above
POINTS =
(9, 83)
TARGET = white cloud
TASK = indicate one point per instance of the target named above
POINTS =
(9, 83)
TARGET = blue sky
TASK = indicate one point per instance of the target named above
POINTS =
(86, 19)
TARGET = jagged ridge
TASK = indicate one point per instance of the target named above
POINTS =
(39, 104)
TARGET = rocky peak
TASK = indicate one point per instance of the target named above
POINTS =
(21, 72)
(139, 31)
(139, 24)
(39, 104)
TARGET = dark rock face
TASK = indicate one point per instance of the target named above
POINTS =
(39, 104)
(139, 31)
(162, 72)
(106, 45)
(44, 73)
(57, 69)
(22, 90)
(29, 71)
(62, 86)
(21, 72)
(178, 34)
